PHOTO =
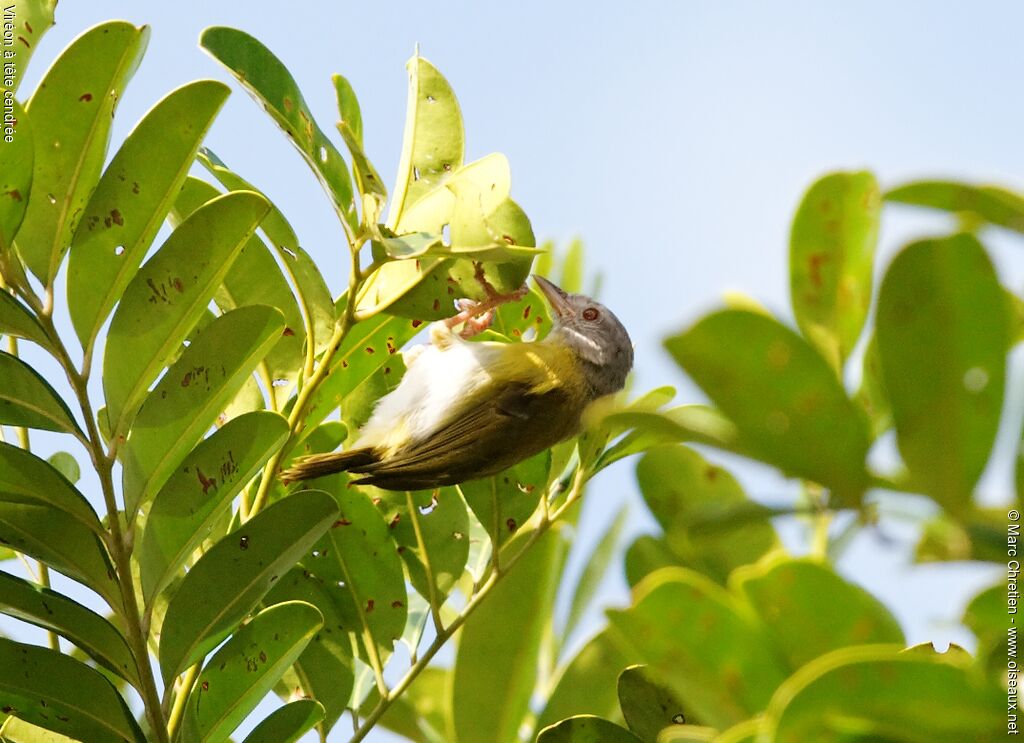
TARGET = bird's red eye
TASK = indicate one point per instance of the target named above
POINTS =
(590, 314)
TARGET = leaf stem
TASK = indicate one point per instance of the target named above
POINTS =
(180, 698)
(544, 522)
(117, 544)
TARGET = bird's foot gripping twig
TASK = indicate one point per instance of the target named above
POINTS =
(475, 317)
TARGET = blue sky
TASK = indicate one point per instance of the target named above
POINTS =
(675, 138)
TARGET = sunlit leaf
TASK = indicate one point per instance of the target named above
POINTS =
(943, 335)
(505, 663)
(875, 692)
(23, 473)
(288, 723)
(241, 672)
(199, 490)
(167, 297)
(16, 161)
(134, 195)
(71, 113)
(58, 613)
(831, 255)
(32, 19)
(787, 595)
(255, 278)
(992, 204)
(233, 576)
(789, 407)
(701, 642)
(871, 394)
(595, 570)
(27, 400)
(187, 401)
(55, 692)
(645, 555)
(268, 81)
(66, 465)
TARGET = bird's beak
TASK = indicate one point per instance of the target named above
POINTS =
(557, 298)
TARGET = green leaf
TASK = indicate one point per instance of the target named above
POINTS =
(66, 465)
(134, 195)
(702, 643)
(943, 335)
(977, 534)
(442, 521)
(255, 278)
(32, 19)
(684, 491)
(24, 474)
(14, 730)
(268, 81)
(241, 672)
(503, 503)
(586, 684)
(196, 495)
(58, 613)
(647, 705)
(16, 320)
(288, 723)
(71, 114)
(426, 245)
(232, 576)
(873, 692)
(434, 141)
(188, 400)
(831, 254)
(358, 550)
(595, 569)
(700, 734)
(16, 161)
(789, 407)
(571, 277)
(992, 204)
(645, 555)
(311, 289)
(168, 296)
(48, 689)
(27, 400)
(586, 729)
(505, 662)
(35, 528)
(871, 394)
(324, 671)
(787, 595)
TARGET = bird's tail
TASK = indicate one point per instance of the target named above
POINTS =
(321, 465)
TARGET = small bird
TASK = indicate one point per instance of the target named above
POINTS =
(467, 410)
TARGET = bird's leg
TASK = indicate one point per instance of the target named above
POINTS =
(475, 316)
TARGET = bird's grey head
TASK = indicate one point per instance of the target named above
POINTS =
(594, 333)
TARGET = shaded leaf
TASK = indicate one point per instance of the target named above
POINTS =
(71, 113)
(503, 502)
(66, 465)
(16, 166)
(134, 195)
(787, 595)
(48, 689)
(586, 729)
(586, 684)
(15, 319)
(698, 640)
(198, 492)
(167, 297)
(26, 399)
(943, 335)
(505, 663)
(232, 577)
(189, 398)
(789, 407)
(977, 534)
(645, 555)
(288, 723)
(647, 706)
(58, 613)
(246, 667)
(831, 255)
(268, 81)
(684, 491)
(874, 691)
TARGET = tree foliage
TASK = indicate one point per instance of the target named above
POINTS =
(226, 357)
